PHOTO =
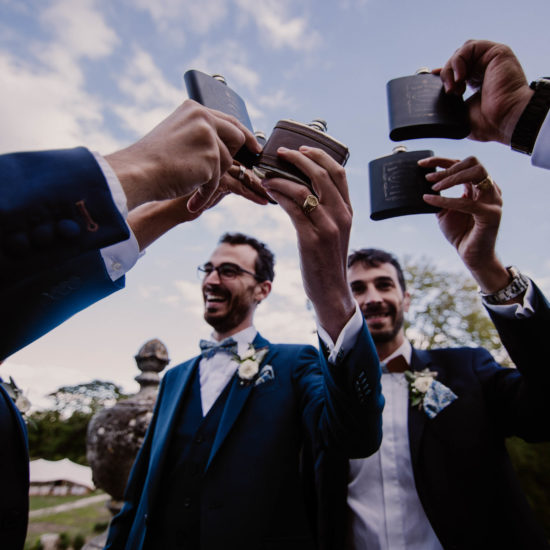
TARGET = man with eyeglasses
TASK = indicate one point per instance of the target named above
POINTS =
(228, 459)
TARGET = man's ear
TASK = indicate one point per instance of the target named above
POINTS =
(262, 290)
(406, 302)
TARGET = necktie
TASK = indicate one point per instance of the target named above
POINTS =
(397, 364)
(209, 349)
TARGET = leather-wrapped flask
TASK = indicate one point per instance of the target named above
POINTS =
(292, 135)
(212, 91)
(418, 107)
(397, 184)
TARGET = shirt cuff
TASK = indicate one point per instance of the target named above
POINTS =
(120, 257)
(346, 338)
(119, 197)
(519, 311)
(541, 151)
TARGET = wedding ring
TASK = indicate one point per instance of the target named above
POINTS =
(485, 183)
(310, 204)
(242, 172)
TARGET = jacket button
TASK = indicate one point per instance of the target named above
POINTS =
(68, 229)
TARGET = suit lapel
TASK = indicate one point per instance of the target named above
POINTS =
(238, 395)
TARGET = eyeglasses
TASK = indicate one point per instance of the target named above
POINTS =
(225, 271)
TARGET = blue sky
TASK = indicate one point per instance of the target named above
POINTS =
(101, 73)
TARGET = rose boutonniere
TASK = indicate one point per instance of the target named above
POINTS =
(16, 395)
(249, 363)
(419, 383)
(427, 393)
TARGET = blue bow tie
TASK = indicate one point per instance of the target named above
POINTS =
(209, 349)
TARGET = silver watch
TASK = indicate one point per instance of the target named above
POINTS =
(518, 285)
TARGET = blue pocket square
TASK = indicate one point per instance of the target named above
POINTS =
(437, 398)
(265, 375)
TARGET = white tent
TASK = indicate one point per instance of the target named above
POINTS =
(44, 472)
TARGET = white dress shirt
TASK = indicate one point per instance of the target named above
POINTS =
(120, 257)
(541, 150)
(385, 510)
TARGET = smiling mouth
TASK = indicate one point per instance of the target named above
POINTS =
(376, 317)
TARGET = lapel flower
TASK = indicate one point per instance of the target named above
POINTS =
(419, 383)
(249, 363)
(426, 392)
(16, 394)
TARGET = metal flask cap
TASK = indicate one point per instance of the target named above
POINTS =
(423, 70)
(220, 78)
(319, 124)
(399, 149)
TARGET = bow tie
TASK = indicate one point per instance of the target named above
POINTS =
(209, 349)
(397, 364)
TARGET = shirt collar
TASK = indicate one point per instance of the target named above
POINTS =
(243, 338)
(405, 349)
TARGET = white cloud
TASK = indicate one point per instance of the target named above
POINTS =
(201, 17)
(278, 26)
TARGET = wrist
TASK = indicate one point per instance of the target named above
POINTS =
(514, 114)
(511, 292)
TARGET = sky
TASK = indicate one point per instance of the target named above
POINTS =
(102, 73)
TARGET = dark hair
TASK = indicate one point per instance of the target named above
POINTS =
(373, 257)
(265, 260)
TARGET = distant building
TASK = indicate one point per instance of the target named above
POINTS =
(59, 477)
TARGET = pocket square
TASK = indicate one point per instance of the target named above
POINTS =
(265, 375)
(437, 398)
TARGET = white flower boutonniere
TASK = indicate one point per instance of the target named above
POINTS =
(427, 393)
(249, 363)
(419, 383)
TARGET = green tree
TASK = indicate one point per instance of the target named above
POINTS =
(60, 432)
(446, 310)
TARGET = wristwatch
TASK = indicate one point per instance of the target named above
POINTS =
(529, 123)
(518, 285)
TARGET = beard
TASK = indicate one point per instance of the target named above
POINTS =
(237, 309)
(382, 336)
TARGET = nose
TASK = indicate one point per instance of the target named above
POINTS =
(212, 278)
(371, 296)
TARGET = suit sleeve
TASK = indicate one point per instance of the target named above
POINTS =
(342, 410)
(56, 213)
(519, 397)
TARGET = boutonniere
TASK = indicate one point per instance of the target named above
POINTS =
(16, 395)
(427, 393)
(249, 363)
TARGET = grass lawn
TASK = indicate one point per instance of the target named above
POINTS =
(88, 521)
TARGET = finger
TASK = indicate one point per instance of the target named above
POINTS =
(469, 170)
(437, 162)
(327, 176)
(239, 187)
(462, 204)
(248, 138)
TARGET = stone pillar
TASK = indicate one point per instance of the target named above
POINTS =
(115, 434)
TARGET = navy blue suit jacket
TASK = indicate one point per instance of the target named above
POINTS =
(56, 212)
(253, 493)
(463, 475)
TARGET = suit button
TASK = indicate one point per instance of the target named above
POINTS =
(186, 502)
(42, 235)
(68, 229)
(17, 244)
(199, 439)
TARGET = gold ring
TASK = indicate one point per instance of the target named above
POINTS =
(310, 204)
(242, 172)
(485, 183)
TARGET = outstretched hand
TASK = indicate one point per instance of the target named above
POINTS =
(502, 91)
(470, 223)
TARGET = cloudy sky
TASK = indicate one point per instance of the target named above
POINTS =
(101, 73)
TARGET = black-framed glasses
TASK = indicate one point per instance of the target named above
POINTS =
(226, 271)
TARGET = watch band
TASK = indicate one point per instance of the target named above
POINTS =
(529, 123)
(517, 286)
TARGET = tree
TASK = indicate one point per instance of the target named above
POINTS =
(60, 432)
(446, 310)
